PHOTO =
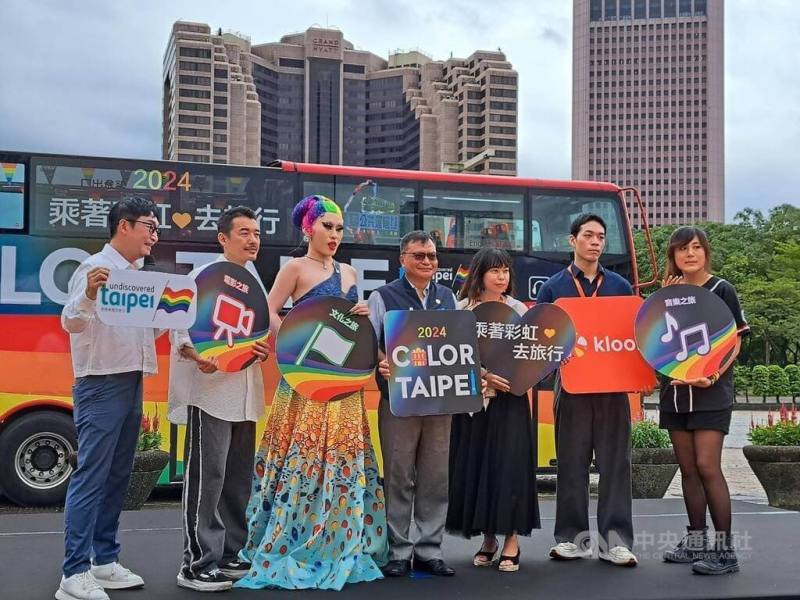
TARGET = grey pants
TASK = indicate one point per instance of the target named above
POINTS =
(218, 467)
(415, 463)
(601, 423)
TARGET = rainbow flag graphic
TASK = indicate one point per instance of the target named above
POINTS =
(174, 300)
(8, 170)
(461, 277)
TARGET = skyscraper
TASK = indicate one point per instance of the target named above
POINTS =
(647, 103)
(313, 97)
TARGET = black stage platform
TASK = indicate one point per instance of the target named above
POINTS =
(31, 552)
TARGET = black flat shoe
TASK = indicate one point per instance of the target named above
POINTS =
(506, 568)
(435, 567)
(397, 568)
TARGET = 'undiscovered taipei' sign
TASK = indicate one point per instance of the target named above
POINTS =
(147, 299)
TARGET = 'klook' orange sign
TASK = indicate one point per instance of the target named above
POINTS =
(605, 358)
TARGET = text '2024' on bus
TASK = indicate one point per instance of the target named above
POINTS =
(54, 213)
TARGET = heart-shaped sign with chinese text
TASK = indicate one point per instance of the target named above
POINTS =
(523, 349)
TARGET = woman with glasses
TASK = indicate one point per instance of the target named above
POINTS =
(492, 465)
(316, 514)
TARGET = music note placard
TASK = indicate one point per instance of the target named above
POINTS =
(685, 332)
(685, 335)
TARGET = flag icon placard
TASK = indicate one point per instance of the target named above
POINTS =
(325, 353)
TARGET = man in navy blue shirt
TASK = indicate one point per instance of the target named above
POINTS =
(591, 423)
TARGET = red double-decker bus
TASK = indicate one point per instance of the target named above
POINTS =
(53, 214)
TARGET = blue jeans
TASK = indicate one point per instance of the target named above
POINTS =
(108, 415)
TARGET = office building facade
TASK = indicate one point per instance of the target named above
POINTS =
(648, 105)
(313, 97)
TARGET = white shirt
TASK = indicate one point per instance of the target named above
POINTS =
(98, 349)
(230, 397)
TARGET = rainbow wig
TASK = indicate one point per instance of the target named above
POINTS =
(311, 208)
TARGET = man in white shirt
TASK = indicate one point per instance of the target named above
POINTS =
(220, 411)
(108, 364)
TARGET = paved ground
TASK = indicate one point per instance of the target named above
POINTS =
(31, 550)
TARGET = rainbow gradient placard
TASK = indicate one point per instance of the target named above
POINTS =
(325, 353)
(523, 349)
(434, 362)
(685, 332)
(232, 315)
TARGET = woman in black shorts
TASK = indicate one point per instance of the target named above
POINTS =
(697, 414)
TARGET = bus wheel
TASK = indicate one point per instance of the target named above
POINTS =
(34, 458)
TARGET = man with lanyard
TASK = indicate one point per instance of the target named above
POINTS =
(220, 411)
(415, 449)
(587, 423)
(108, 363)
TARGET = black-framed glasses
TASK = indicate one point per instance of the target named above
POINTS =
(420, 256)
(149, 224)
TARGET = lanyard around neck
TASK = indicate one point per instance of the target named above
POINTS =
(579, 287)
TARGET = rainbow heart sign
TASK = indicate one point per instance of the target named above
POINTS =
(686, 332)
(232, 315)
(434, 362)
(523, 349)
(325, 353)
(147, 299)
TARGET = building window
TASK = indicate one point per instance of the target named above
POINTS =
(475, 218)
(195, 52)
(348, 68)
(655, 10)
(193, 80)
(292, 62)
(596, 10)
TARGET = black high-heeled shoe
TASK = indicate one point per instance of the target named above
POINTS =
(506, 568)
(489, 556)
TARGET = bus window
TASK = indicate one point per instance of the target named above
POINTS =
(12, 196)
(375, 212)
(551, 216)
(474, 218)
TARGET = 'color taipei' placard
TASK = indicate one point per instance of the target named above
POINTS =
(686, 332)
(325, 353)
(147, 299)
(434, 362)
(523, 349)
(232, 315)
(605, 357)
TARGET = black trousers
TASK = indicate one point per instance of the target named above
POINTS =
(218, 471)
(599, 424)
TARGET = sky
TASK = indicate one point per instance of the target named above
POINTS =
(85, 77)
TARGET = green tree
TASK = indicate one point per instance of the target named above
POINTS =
(759, 381)
(793, 374)
(760, 256)
(741, 380)
(778, 382)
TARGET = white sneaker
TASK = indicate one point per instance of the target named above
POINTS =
(569, 551)
(82, 586)
(114, 576)
(619, 555)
